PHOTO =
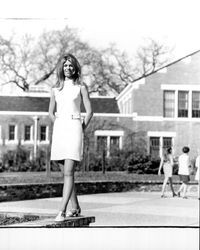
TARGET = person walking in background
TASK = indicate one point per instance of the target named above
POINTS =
(167, 164)
(197, 165)
(67, 137)
(184, 171)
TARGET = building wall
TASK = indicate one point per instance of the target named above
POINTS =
(186, 134)
(148, 98)
(108, 126)
(111, 125)
(20, 121)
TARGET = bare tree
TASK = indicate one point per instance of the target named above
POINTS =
(16, 62)
(33, 62)
(151, 56)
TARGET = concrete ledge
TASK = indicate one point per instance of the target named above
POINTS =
(15, 192)
(50, 223)
(72, 222)
(47, 221)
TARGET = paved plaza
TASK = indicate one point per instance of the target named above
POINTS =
(127, 209)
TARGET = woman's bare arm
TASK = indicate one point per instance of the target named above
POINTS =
(87, 105)
(52, 106)
(160, 166)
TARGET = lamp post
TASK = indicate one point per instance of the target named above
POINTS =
(36, 119)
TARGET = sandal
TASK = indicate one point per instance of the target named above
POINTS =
(73, 212)
(60, 217)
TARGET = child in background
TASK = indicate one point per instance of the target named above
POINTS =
(167, 164)
(183, 171)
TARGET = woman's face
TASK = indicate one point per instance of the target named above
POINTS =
(68, 69)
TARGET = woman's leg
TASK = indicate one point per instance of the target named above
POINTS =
(74, 199)
(171, 185)
(180, 189)
(68, 183)
(164, 185)
(185, 190)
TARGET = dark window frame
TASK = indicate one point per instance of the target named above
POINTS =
(43, 134)
(11, 134)
(195, 102)
(167, 110)
(182, 101)
(27, 134)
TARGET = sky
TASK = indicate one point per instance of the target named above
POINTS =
(102, 22)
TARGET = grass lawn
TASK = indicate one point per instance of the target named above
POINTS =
(17, 178)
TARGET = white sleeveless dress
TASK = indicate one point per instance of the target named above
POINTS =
(168, 167)
(67, 137)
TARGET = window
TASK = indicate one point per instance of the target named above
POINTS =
(43, 133)
(27, 133)
(183, 103)
(114, 144)
(167, 142)
(159, 141)
(108, 141)
(154, 146)
(11, 133)
(196, 104)
(108, 144)
(169, 103)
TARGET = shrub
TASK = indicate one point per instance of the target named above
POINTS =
(95, 162)
(115, 162)
(142, 164)
(18, 161)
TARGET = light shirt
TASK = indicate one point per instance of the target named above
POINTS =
(197, 162)
(184, 163)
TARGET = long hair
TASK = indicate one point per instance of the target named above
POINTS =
(60, 72)
(168, 151)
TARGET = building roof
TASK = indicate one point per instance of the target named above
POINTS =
(103, 105)
(41, 104)
(138, 80)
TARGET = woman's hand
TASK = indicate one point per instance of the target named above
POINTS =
(52, 117)
(52, 106)
(83, 125)
(88, 107)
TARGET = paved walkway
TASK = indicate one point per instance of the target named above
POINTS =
(122, 209)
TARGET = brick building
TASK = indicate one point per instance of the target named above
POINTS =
(160, 110)
(165, 106)
(24, 122)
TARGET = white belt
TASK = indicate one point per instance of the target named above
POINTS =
(74, 116)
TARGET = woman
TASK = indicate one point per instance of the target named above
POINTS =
(67, 138)
(167, 164)
(184, 171)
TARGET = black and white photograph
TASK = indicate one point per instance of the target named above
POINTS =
(99, 124)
